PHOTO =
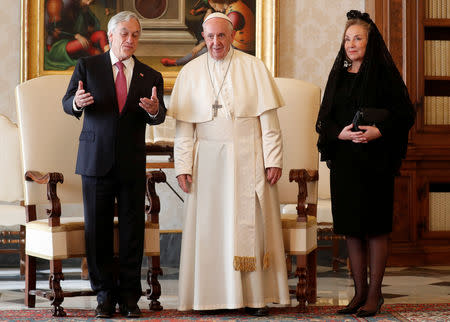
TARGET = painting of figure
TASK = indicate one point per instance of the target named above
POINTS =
(74, 29)
(241, 12)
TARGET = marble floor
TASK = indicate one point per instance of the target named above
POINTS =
(401, 285)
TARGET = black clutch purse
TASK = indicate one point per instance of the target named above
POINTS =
(369, 116)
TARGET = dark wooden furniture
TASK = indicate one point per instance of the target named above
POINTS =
(416, 240)
(306, 271)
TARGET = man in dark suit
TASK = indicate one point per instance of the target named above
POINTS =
(119, 96)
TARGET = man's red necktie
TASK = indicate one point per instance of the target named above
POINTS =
(121, 86)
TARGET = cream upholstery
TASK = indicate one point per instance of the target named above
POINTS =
(11, 188)
(324, 201)
(49, 143)
(12, 215)
(49, 137)
(305, 145)
(297, 121)
(67, 240)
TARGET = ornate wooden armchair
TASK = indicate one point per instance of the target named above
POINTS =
(49, 143)
(12, 215)
(301, 163)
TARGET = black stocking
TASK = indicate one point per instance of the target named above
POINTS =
(357, 251)
(378, 248)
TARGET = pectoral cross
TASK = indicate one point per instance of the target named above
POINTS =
(215, 107)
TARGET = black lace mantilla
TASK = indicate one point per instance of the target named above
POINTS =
(377, 69)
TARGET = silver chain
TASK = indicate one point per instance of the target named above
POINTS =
(210, 77)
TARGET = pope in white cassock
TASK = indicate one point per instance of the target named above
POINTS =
(228, 158)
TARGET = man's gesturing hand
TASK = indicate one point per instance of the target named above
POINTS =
(82, 99)
(150, 105)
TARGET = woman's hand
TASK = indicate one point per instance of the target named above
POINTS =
(347, 134)
(371, 133)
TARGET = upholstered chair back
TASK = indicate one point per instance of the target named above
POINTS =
(11, 176)
(49, 138)
(297, 121)
(324, 181)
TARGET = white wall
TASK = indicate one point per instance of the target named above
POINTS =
(10, 55)
(310, 36)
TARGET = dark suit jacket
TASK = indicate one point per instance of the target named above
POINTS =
(109, 139)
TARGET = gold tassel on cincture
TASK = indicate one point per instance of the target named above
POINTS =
(266, 261)
(244, 264)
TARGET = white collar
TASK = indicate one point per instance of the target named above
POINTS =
(127, 62)
(226, 59)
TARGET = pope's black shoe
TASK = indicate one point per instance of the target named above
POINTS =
(212, 312)
(257, 311)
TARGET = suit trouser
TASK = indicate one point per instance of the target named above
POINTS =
(99, 194)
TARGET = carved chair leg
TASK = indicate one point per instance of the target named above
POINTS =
(57, 294)
(84, 269)
(301, 273)
(311, 288)
(335, 251)
(30, 280)
(154, 291)
(288, 264)
(152, 211)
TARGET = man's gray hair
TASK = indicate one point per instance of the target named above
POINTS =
(120, 17)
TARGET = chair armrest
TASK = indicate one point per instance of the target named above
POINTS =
(302, 176)
(51, 179)
(152, 210)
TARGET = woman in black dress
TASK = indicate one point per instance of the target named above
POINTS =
(363, 159)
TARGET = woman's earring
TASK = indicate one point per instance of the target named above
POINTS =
(347, 63)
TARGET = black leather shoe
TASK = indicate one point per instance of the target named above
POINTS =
(364, 313)
(130, 310)
(104, 310)
(259, 311)
(212, 312)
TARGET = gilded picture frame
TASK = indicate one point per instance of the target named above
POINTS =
(32, 40)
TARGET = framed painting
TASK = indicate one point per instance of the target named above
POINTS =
(55, 33)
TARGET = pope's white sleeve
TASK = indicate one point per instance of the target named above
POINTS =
(183, 149)
(272, 140)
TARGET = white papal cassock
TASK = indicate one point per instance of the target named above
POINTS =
(231, 213)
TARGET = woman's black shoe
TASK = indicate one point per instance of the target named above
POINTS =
(260, 311)
(364, 313)
(350, 309)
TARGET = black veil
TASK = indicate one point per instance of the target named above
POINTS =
(377, 70)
